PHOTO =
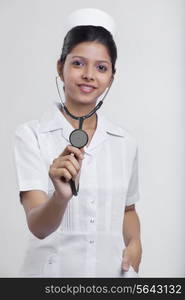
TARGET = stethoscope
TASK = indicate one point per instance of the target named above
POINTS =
(79, 137)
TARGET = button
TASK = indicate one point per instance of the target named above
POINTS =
(91, 241)
(92, 201)
(92, 220)
(50, 261)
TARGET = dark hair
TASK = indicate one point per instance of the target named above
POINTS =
(80, 34)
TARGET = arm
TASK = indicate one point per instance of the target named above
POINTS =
(131, 235)
(44, 215)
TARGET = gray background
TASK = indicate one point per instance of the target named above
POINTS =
(147, 98)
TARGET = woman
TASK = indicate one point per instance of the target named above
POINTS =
(97, 232)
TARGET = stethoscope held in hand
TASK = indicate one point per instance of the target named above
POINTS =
(79, 137)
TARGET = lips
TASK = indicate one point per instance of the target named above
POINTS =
(86, 88)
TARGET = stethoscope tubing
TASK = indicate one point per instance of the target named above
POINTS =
(76, 133)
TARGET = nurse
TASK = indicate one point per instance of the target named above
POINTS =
(95, 233)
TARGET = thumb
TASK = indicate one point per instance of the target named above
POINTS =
(125, 261)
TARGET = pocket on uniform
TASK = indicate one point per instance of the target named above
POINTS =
(51, 267)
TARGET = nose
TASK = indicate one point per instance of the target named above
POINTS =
(88, 73)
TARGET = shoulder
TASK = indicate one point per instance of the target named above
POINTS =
(27, 129)
(38, 125)
(116, 129)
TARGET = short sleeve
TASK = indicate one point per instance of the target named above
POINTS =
(133, 188)
(31, 170)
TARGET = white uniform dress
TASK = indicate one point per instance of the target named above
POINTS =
(89, 240)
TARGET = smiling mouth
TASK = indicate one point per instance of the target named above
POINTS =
(86, 88)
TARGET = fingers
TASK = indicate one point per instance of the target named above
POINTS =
(130, 259)
(126, 261)
(136, 268)
(71, 158)
(64, 168)
(68, 161)
(68, 164)
(59, 173)
(78, 153)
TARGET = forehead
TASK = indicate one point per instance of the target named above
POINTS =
(91, 50)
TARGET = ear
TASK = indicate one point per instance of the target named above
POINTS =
(60, 69)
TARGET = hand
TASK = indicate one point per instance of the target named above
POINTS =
(64, 168)
(132, 255)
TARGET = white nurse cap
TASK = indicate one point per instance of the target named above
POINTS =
(90, 16)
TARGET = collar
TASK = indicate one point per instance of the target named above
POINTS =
(53, 119)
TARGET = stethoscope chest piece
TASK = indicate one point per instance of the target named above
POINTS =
(78, 138)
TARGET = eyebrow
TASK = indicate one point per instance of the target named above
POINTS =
(103, 61)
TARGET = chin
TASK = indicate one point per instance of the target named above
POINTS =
(86, 101)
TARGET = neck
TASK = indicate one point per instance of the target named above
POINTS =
(79, 111)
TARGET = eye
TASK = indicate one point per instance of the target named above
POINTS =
(77, 63)
(102, 68)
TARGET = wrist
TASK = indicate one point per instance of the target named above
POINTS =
(59, 199)
(134, 242)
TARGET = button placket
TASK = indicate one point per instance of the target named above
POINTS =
(90, 217)
(91, 254)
